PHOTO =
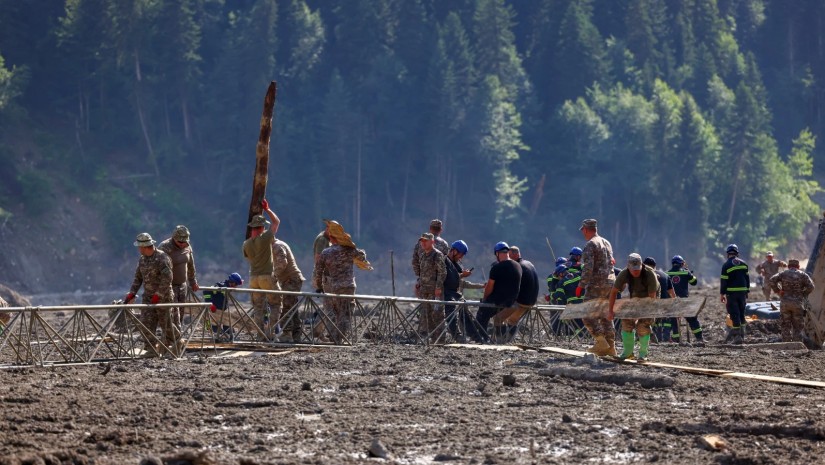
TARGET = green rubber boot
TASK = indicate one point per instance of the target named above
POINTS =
(628, 341)
(644, 344)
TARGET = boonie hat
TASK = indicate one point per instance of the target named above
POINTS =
(181, 233)
(426, 237)
(634, 262)
(589, 224)
(258, 221)
(144, 240)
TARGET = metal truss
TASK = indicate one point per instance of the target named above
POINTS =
(98, 333)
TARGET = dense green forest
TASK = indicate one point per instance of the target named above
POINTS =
(682, 125)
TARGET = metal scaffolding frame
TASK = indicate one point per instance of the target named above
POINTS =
(50, 335)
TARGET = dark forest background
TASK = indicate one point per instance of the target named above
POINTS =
(682, 125)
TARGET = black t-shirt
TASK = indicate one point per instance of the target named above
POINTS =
(453, 279)
(507, 277)
(528, 292)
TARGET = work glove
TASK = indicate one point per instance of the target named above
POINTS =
(128, 297)
(195, 287)
(546, 298)
(265, 204)
(212, 308)
(579, 291)
(155, 299)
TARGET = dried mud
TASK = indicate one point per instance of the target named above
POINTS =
(442, 405)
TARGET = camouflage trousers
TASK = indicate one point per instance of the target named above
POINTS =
(260, 301)
(792, 320)
(166, 318)
(431, 316)
(292, 284)
(642, 326)
(339, 311)
(766, 289)
(179, 296)
(599, 326)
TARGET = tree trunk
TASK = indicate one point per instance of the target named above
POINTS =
(184, 109)
(152, 159)
(262, 156)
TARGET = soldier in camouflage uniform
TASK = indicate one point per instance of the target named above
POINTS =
(438, 242)
(431, 271)
(793, 287)
(768, 269)
(321, 242)
(333, 273)
(258, 251)
(183, 264)
(154, 273)
(291, 279)
(597, 280)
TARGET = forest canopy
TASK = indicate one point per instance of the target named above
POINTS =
(682, 125)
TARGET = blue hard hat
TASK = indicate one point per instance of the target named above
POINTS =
(677, 259)
(460, 247)
(733, 248)
(560, 269)
(235, 278)
(561, 261)
(500, 247)
(576, 251)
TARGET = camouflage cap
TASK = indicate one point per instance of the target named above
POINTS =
(181, 233)
(436, 223)
(634, 262)
(589, 224)
(793, 262)
(258, 221)
(426, 237)
(144, 240)
(769, 254)
(514, 248)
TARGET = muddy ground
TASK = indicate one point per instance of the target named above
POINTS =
(443, 405)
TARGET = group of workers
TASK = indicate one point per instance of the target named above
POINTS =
(167, 272)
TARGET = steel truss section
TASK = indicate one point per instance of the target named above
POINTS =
(96, 333)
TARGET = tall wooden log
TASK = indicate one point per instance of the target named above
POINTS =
(262, 156)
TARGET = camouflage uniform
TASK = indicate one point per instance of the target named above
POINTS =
(335, 267)
(597, 279)
(154, 273)
(290, 279)
(183, 269)
(438, 244)
(432, 272)
(795, 286)
(767, 270)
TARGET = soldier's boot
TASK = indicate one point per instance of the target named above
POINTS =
(601, 347)
(644, 345)
(628, 340)
(610, 337)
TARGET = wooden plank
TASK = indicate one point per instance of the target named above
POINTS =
(483, 347)
(636, 308)
(775, 379)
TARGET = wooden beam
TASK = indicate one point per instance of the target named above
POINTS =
(636, 308)
(262, 156)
